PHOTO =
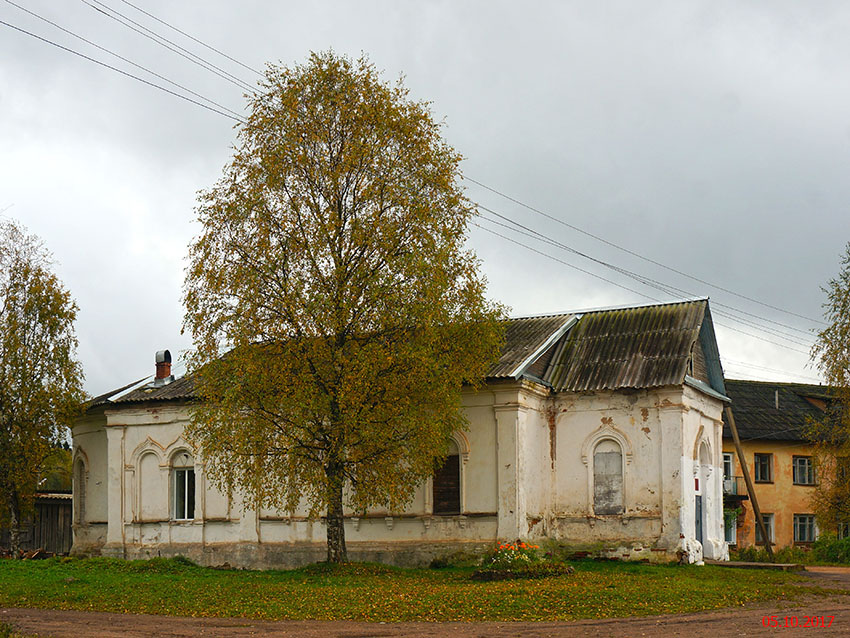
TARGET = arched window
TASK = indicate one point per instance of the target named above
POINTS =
(80, 492)
(608, 478)
(447, 484)
(182, 487)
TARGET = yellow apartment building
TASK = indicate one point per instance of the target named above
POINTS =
(771, 419)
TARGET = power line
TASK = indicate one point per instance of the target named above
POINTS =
(123, 59)
(736, 364)
(647, 281)
(122, 72)
(510, 198)
(565, 263)
(640, 278)
(174, 48)
(635, 254)
(552, 257)
(191, 37)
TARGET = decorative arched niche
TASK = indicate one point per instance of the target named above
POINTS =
(149, 497)
(80, 476)
(606, 453)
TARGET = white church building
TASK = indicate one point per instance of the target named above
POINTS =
(599, 430)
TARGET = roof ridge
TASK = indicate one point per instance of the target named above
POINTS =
(634, 306)
(779, 383)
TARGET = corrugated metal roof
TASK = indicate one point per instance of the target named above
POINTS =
(524, 337)
(635, 347)
(641, 347)
(756, 414)
(106, 396)
(183, 388)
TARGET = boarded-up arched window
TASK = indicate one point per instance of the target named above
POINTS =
(447, 484)
(80, 491)
(608, 478)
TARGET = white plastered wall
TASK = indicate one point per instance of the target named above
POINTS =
(527, 460)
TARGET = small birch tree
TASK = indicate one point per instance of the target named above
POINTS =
(331, 266)
(831, 434)
(40, 378)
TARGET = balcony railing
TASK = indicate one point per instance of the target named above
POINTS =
(734, 486)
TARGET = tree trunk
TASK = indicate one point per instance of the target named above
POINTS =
(336, 523)
(14, 524)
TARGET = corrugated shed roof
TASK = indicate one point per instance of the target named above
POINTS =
(642, 347)
(756, 414)
(524, 337)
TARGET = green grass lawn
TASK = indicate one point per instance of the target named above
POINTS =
(379, 593)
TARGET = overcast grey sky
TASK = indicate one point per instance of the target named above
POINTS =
(712, 137)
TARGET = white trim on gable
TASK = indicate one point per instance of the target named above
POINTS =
(553, 338)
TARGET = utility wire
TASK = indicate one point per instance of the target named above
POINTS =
(645, 280)
(670, 290)
(510, 198)
(123, 59)
(619, 285)
(191, 37)
(653, 282)
(122, 72)
(517, 201)
(566, 263)
(735, 363)
(160, 40)
(635, 254)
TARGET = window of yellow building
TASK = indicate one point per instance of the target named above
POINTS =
(804, 470)
(805, 530)
(763, 468)
(768, 523)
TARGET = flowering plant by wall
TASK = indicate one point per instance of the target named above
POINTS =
(511, 556)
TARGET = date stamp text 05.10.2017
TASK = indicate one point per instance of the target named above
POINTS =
(787, 622)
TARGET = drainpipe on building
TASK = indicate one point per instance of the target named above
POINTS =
(748, 481)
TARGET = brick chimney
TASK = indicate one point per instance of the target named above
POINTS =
(163, 364)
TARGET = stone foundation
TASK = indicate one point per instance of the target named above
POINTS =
(290, 556)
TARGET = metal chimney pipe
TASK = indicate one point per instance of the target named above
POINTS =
(163, 364)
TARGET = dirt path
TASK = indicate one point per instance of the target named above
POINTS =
(739, 622)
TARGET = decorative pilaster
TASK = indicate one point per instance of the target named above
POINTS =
(115, 490)
(510, 422)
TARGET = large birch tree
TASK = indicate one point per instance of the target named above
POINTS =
(331, 267)
(40, 378)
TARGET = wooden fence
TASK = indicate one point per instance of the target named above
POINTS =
(50, 527)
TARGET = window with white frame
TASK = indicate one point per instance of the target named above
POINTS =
(183, 487)
(728, 466)
(768, 523)
(805, 529)
(844, 530)
(730, 528)
(764, 468)
(804, 470)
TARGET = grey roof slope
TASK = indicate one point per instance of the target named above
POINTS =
(639, 347)
(525, 337)
(756, 415)
(182, 388)
(634, 347)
